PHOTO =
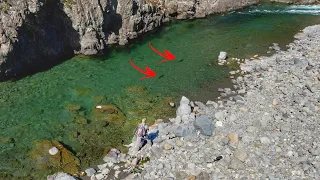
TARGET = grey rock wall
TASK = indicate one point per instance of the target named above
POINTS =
(37, 34)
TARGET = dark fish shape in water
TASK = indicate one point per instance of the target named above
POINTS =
(181, 60)
(161, 76)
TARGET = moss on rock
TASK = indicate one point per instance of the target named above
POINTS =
(64, 160)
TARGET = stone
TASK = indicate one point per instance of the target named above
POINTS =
(160, 166)
(236, 164)
(180, 175)
(100, 176)
(167, 146)
(155, 152)
(204, 125)
(200, 105)
(240, 154)
(192, 177)
(90, 171)
(232, 72)
(102, 166)
(65, 160)
(112, 156)
(187, 131)
(105, 171)
(274, 102)
(252, 129)
(184, 108)
(215, 105)
(265, 140)
(172, 104)
(110, 164)
(116, 174)
(234, 138)
(123, 157)
(220, 115)
(60, 176)
(134, 162)
(222, 56)
(179, 143)
(203, 176)
(218, 124)
(53, 150)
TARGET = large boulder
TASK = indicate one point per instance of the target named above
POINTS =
(112, 156)
(204, 125)
(185, 130)
(184, 109)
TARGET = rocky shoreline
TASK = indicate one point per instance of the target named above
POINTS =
(40, 34)
(267, 129)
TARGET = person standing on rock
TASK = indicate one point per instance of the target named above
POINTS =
(195, 111)
(141, 134)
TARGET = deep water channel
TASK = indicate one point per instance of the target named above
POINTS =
(59, 104)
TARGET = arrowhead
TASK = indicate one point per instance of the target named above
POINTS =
(150, 73)
(169, 56)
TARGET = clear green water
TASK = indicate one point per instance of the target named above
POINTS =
(33, 108)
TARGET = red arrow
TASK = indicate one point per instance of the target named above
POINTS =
(167, 54)
(147, 72)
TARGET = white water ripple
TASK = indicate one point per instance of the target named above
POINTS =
(293, 9)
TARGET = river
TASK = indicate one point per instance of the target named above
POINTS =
(59, 104)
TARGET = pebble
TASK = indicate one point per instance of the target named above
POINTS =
(236, 164)
(265, 140)
(102, 166)
(240, 154)
(167, 146)
(53, 151)
(290, 153)
(218, 124)
(99, 176)
(209, 165)
(116, 174)
(90, 171)
(234, 138)
(105, 171)
(179, 143)
(274, 102)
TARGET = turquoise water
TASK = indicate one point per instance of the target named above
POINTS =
(34, 108)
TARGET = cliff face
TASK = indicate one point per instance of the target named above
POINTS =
(44, 32)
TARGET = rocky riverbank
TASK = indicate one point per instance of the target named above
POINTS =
(271, 131)
(39, 34)
(267, 128)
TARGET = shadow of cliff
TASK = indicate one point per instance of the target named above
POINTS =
(45, 39)
(112, 21)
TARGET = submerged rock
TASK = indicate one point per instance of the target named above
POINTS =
(63, 160)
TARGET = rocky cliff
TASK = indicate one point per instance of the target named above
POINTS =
(41, 33)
